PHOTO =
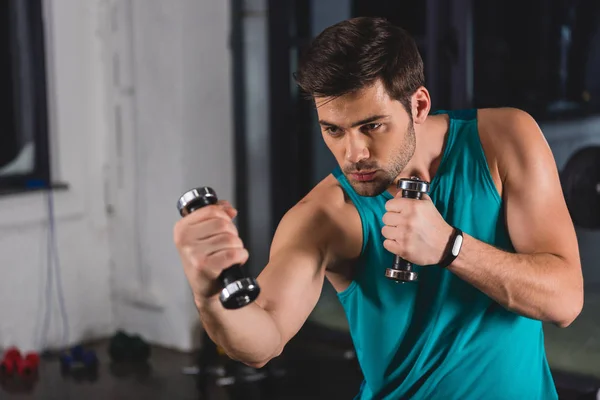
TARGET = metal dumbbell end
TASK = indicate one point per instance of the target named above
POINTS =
(239, 289)
(401, 270)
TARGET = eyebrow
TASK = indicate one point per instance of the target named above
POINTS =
(358, 123)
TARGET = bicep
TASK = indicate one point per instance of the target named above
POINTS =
(537, 216)
(292, 281)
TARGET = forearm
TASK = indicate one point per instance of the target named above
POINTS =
(249, 334)
(541, 286)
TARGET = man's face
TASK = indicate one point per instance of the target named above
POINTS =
(371, 136)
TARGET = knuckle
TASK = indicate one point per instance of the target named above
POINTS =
(230, 240)
(180, 233)
(219, 226)
(231, 255)
(197, 259)
(203, 214)
(211, 210)
(403, 240)
(222, 225)
(177, 235)
(410, 224)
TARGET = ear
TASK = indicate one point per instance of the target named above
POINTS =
(421, 105)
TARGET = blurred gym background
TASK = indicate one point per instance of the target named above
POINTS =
(118, 106)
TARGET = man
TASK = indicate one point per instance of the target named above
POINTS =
(470, 327)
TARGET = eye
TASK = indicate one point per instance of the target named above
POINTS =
(333, 131)
(371, 127)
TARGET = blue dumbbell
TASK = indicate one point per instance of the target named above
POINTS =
(80, 359)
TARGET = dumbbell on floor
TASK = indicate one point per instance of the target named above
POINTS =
(14, 362)
(80, 360)
(131, 348)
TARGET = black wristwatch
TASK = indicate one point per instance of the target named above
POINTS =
(453, 248)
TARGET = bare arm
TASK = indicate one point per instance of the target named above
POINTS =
(543, 280)
(290, 284)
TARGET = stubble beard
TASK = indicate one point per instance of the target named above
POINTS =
(385, 176)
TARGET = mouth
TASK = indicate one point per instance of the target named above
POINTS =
(364, 176)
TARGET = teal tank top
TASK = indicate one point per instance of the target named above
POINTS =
(441, 338)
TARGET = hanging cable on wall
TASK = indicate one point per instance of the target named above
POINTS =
(53, 275)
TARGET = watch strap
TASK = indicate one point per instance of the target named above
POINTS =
(452, 249)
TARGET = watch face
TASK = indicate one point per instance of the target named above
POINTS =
(457, 245)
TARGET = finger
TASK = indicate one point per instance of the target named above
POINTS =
(224, 203)
(231, 212)
(206, 213)
(390, 232)
(221, 242)
(392, 246)
(425, 196)
(227, 257)
(392, 218)
(229, 209)
(394, 205)
(399, 204)
(208, 228)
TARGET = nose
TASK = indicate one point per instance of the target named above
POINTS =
(356, 148)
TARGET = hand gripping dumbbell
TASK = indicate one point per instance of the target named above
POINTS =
(239, 289)
(401, 270)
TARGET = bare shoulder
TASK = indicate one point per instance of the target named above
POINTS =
(511, 137)
(329, 218)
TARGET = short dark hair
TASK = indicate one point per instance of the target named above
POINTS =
(353, 54)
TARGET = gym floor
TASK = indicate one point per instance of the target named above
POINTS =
(313, 370)
(313, 366)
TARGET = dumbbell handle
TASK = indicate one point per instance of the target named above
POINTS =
(238, 289)
(401, 270)
(399, 262)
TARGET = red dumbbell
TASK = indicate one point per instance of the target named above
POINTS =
(12, 357)
(28, 366)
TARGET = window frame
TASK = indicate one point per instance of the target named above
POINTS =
(35, 51)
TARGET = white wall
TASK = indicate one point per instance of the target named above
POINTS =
(176, 133)
(140, 111)
(77, 129)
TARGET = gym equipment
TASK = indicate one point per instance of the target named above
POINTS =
(14, 362)
(18, 372)
(401, 270)
(140, 350)
(580, 180)
(8, 366)
(131, 348)
(119, 346)
(239, 289)
(28, 366)
(79, 359)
